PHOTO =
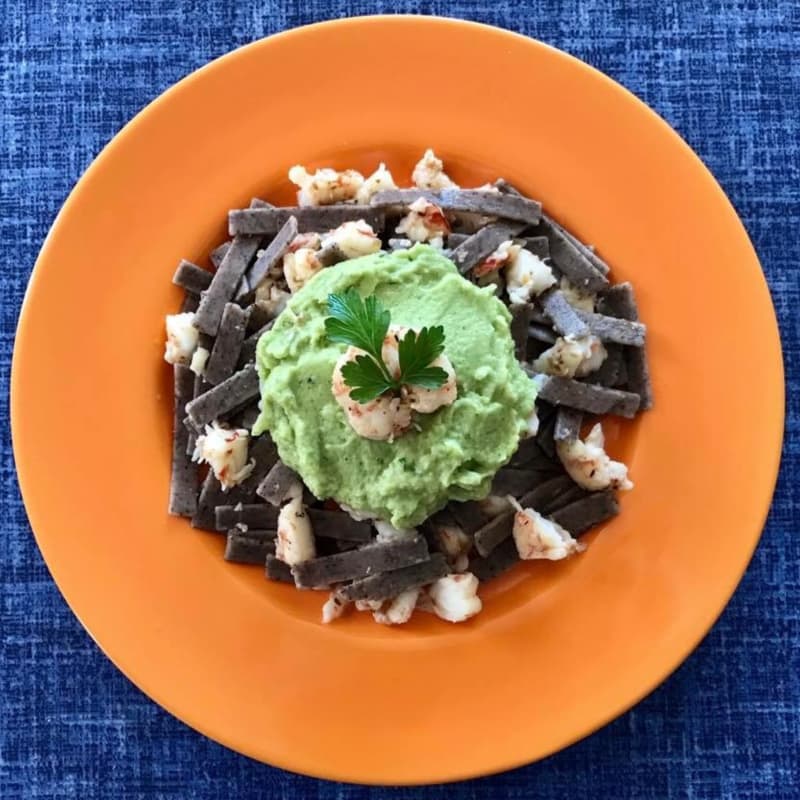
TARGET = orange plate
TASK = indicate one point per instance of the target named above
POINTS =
(560, 649)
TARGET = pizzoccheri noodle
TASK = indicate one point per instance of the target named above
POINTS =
(263, 353)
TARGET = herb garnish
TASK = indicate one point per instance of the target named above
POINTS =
(364, 323)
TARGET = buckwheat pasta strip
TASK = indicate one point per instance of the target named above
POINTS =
(612, 329)
(190, 303)
(561, 314)
(520, 322)
(263, 453)
(500, 560)
(500, 528)
(549, 494)
(338, 525)
(540, 333)
(530, 455)
(588, 397)
(276, 570)
(612, 371)
(620, 301)
(218, 254)
(570, 260)
(247, 354)
(270, 256)
(568, 424)
(225, 282)
(192, 278)
(227, 345)
(581, 515)
(516, 482)
(184, 479)
(225, 397)
(361, 563)
(587, 252)
(250, 547)
(268, 221)
(471, 201)
(201, 386)
(390, 584)
(494, 532)
(278, 484)
(538, 245)
(245, 418)
(250, 515)
(469, 515)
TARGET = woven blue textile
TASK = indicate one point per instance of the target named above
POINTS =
(727, 77)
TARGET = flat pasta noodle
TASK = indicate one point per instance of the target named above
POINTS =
(390, 584)
(184, 476)
(224, 356)
(360, 563)
(268, 221)
(192, 278)
(249, 547)
(235, 391)
(249, 515)
(470, 201)
(588, 397)
(584, 513)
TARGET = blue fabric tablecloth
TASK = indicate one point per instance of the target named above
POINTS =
(727, 76)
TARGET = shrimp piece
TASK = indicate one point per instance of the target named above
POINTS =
(576, 297)
(426, 401)
(455, 597)
(504, 253)
(399, 610)
(588, 464)
(425, 222)
(299, 267)
(295, 541)
(313, 241)
(225, 451)
(527, 275)
(333, 608)
(382, 419)
(199, 359)
(325, 186)
(429, 173)
(379, 181)
(572, 356)
(540, 538)
(355, 238)
(182, 338)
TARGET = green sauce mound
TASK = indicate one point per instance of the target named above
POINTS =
(457, 449)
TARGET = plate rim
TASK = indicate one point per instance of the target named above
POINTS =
(107, 151)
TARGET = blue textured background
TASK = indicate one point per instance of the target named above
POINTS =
(727, 76)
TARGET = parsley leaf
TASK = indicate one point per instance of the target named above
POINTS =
(366, 379)
(361, 323)
(416, 352)
(364, 323)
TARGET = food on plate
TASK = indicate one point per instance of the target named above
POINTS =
(391, 394)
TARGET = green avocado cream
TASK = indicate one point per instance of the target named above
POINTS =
(456, 450)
